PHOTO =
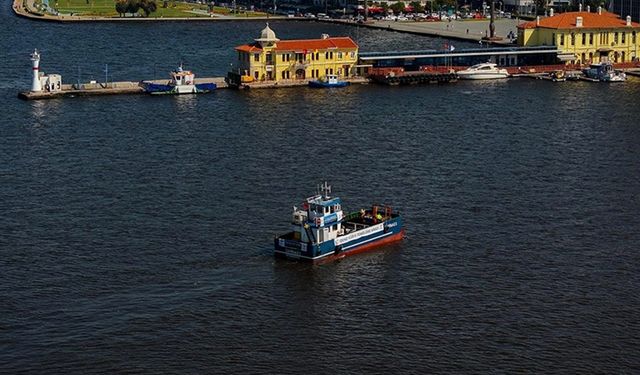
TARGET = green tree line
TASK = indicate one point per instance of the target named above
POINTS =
(133, 6)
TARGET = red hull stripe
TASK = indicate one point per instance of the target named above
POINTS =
(396, 237)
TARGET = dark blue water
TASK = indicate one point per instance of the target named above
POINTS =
(135, 233)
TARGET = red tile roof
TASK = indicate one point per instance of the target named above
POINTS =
(249, 48)
(305, 44)
(313, 44)
(590, 20)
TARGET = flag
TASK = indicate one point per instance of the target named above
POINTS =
(451, 47)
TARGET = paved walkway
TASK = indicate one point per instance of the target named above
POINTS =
(471, 30)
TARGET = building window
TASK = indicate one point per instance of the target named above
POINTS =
(623, 56)
(584, 57)
(283, 75)
(339, 55)
(584, 39)
(573, 39)
(623, 38)
(562, 39)
(255, 74)
(615, 37)
(326, 55)
(256, 57)
(633, 37)
(352, 55)
(590, 39)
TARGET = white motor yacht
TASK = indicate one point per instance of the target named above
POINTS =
(483, 71)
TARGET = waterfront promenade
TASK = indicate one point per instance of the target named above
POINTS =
(469, 30)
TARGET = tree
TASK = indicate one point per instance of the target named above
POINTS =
(121, 7)
(417, 6)
(397, 7)
(148, 7)
(133, 6)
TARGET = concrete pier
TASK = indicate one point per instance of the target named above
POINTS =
(111, 88)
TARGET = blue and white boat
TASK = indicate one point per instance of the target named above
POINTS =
(604, 72)
(182, 82)
(322, 232)
(330, 80)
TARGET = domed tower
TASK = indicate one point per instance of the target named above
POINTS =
(267, 38)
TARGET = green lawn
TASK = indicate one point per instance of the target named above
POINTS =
(106, 8)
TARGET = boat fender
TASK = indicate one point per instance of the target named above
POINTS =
(338, 250)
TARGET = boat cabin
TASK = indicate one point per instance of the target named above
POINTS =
(180, 77)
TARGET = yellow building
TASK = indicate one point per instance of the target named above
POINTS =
(585, 37)
(272, 59)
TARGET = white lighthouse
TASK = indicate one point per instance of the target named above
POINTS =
(35, 62)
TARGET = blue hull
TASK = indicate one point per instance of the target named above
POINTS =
(353, 243)
(155, 88)
(325, 85)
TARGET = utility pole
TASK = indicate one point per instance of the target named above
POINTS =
(366, 10)
(492, 25)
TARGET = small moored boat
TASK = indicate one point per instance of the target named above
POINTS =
(182, 82)
(321, 231)
(558, 76)
(330, 80)
(483, 71)
(604, 72)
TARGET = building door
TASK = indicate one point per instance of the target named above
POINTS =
(300, 74)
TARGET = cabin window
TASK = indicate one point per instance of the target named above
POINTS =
(256, 57)
(334, 227)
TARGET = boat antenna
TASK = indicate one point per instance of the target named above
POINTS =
(325, 189)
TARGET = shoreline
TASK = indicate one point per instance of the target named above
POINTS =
(22, 9)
